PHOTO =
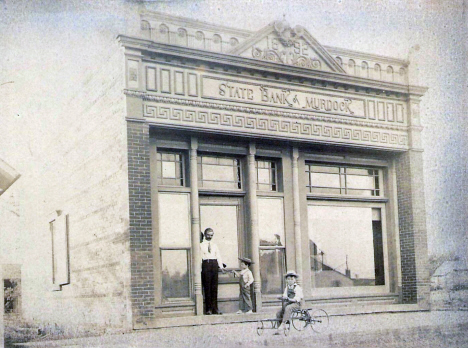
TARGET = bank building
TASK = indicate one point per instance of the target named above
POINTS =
(298, 155)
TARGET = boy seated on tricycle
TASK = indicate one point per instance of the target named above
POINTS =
(291, 298)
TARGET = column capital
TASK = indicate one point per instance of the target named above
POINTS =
(295, 153)
(193, 143)
(252, 149)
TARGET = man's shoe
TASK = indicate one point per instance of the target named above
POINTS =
(218, 313)
(249, 312)
(209, 313)
(239, 312)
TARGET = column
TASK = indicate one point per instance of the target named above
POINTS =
(255, 239)
(297, 214)
(411, 212)
(195, 213)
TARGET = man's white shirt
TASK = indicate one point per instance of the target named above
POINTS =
(213, 255)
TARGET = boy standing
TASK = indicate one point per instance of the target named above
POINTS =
(245, 280)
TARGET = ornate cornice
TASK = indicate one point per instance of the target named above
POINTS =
(259, 111)
(224, 59)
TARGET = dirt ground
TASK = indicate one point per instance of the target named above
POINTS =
(415, 329)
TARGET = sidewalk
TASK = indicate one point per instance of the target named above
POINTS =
(411, 329)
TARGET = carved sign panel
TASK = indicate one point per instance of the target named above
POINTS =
(222, 89)
(286, 45)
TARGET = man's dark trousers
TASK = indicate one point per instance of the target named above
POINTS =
(210, 285)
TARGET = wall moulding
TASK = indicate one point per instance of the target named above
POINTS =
(222, 60)
(272, 126)
(265, 112)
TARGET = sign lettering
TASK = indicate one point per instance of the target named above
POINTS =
(282, 97)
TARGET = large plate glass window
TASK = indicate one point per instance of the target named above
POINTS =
(272, 244)
(219, 172)
(346, 244)
(343, 180)
(174, 244)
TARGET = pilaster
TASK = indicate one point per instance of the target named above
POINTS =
(195, 225)
(412, 214)
(297, 212)
(255, 239)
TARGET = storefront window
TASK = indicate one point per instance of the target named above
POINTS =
(346, 245)
(271, 233)
(272, 270)
(170, 169)
(266, 175)
(222, 173)
(174, 243)
(342, 180)
(175, 273)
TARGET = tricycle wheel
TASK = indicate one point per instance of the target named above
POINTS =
(260, 328)
(298, 320)
(319, 320)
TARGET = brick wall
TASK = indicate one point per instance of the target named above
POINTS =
(413, 233)
(141, 238)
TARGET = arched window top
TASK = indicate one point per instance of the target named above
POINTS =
(351, 63)
(339, 60)
(234, 41)
(402, 71)
(146, 29)
(182, 32)
(163, 29)
(377, 67)
(365, 69)
(216, 39)
(199, 36)
(389, 69)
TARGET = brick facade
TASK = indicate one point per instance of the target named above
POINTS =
(141, 238)
(413, 233)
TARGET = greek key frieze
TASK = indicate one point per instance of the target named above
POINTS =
(260, 123)
(257, 111)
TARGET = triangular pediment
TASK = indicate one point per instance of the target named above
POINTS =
(279, 43)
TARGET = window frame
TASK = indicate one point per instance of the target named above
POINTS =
(187, 248)
(183, 156)
(240, 172)
(342, 174)
(358, 290)
(277, 168)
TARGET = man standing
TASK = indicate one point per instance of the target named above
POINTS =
(211, 260)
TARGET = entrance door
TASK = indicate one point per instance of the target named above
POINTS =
(225, 216)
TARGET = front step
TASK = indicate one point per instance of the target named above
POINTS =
(269, 313)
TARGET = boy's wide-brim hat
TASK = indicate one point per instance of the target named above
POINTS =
(291, 274)
(246, 260)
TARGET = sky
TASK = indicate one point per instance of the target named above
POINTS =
(40, 36)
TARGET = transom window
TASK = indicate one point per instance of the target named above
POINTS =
(266, 175)
(216, 172)
(343, 180)
(170, 168)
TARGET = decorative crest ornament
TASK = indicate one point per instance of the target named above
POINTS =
(286, 34)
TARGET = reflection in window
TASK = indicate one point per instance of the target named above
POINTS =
(271, 233)
(343, 180)
(270, 221)
(170, 169)
(272, 270)
(219, 173)
(266, 175)
(346, 246)
(175, 274)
